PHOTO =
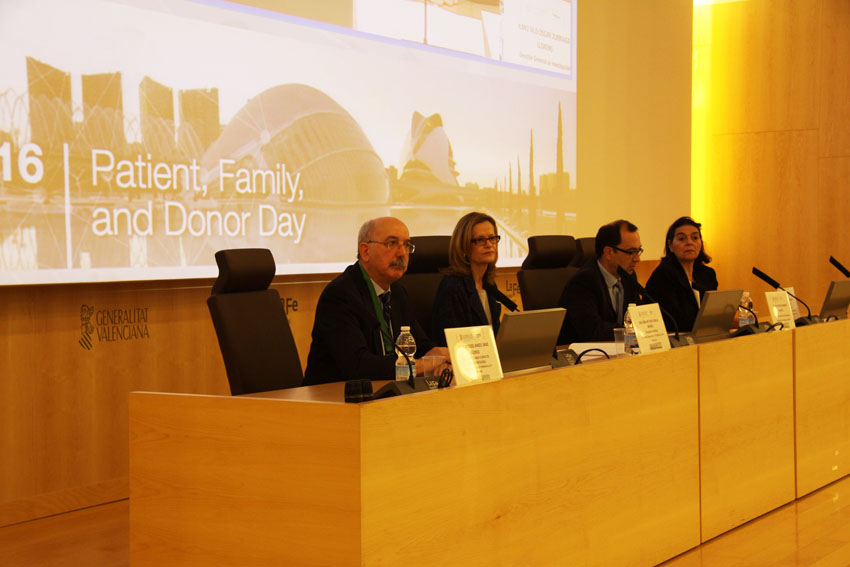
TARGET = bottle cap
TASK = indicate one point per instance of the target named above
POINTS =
(405, 328)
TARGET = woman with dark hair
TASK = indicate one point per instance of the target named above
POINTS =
(680, 281)
(467, 295)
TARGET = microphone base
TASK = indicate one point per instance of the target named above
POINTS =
(803, 321)
(676, 342)
(402, 387)
(751, 329)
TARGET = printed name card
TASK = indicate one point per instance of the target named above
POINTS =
(649, 328)
(780, 308)
(473, 354)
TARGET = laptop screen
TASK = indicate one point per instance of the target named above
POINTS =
(526, 339)
(837, 299)
(716, 314)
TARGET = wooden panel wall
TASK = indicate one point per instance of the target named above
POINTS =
(65, 380)
(772, 154)
(63, 395)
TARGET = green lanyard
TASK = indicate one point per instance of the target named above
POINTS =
(379, 311)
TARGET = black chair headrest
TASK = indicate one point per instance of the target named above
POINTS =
(549, 251)
(243, 269)
(432, 254)
(586, 248)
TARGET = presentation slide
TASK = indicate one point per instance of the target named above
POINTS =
(139, 137)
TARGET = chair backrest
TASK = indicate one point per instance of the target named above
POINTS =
(253, 332)
(585, 251)
(546, 270)
(423, 274)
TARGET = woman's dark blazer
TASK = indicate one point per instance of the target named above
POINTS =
(669, 286)
(457, 305)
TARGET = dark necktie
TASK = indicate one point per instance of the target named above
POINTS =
(618, 295)
(385, 303)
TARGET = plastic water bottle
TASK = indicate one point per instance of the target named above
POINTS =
(407, 344)
(745, 317)
(630, 343)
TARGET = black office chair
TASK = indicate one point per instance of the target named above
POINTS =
(256, 342)
(585, 251)
(546, 270)
(423, 274)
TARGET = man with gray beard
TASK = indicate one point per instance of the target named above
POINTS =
(362, 310)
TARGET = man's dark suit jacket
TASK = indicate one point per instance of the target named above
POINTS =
(346, 333)
(669, 286)
(457, 305)
(590, 315)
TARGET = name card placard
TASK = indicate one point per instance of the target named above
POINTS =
(649, 328)
(780, 308)
(473, 354)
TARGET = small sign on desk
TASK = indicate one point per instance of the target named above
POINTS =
(474, 354)
(649, 328)
(780, 308)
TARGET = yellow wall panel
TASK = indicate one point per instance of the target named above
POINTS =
(771, 138)
(834, 107)
(760, 203)
(764, 70)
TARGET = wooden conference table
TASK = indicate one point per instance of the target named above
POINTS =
(625, 462)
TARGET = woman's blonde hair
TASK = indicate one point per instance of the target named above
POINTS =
(461, 243)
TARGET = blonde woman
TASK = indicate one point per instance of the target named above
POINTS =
(467, 295)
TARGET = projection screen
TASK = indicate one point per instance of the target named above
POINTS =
(138, 137)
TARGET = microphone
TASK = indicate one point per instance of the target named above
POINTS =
(767, 279)
(755, 317)
(401, 387)
(800, 321)
(503, 299)
(675, 341)
(756, 327)
(841, 268)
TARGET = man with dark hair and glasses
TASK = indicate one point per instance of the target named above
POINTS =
(362, 310)
(597, 298)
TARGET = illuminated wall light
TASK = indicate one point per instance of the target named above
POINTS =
(700, 98)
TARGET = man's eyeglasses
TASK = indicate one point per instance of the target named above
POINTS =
(630, 251)
(393, 244)
(482, 240)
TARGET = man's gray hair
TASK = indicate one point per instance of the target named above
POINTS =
(364, 234)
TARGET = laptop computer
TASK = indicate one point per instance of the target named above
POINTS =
(526, 340)
(716, 315)
(837, 300)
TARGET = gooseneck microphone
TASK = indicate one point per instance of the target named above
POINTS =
(841, 268)
(675, 341)
(756, 327)
(800, 321)
(753, 313)
(767, 279)
(400, 387)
